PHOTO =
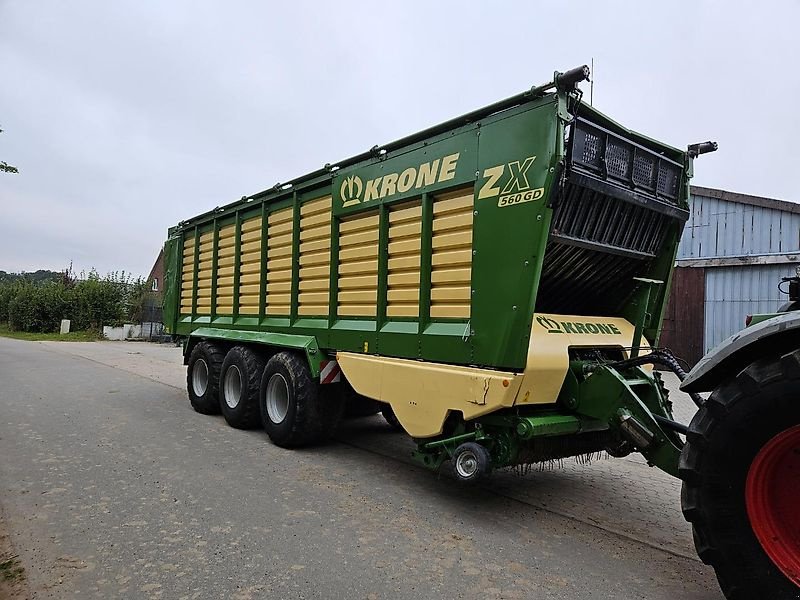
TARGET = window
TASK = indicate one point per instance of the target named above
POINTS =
(154, 286)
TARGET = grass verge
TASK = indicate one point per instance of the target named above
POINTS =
(72, 336)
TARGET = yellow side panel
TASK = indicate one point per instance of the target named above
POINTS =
(187, 273)
(204, 260)
(405, 242)
(358, 266)
(422, 394)
(451, 258)
(225, 250)
(315, 257)
(548, 350)
(279, 260)
(250, 266)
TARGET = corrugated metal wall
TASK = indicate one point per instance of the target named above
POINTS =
(718, 228)
(732, 293)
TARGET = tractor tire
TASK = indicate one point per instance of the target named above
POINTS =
(391, 418)
(239, 384)
(294, 410)
(202, 377)
(741, 479)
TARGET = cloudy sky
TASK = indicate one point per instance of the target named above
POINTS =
(125, 117)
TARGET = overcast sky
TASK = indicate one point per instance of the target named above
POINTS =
(125, 117)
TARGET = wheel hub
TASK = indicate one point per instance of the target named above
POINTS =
(277, 398)
(232, 388)
(771, 495)
(467, 464)
(200, 377)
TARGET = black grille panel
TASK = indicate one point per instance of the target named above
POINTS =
(590, 216)
(610, 157)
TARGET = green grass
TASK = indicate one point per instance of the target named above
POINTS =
(72, 336)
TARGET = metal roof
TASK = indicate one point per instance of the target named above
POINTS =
(783, 205)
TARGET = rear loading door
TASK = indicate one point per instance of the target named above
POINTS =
(618, 216)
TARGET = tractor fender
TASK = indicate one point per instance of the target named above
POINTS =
(774, 336)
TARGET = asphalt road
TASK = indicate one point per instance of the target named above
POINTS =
(112, 487)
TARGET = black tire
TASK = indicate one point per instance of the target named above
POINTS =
(471, 463)
(309, 414)
(239, 384)
(391, 418)
(202, 377)
(739, 418)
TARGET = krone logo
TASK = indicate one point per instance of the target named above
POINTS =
(549, 324)
(351, 190)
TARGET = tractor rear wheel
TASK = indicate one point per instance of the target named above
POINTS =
(741, 480)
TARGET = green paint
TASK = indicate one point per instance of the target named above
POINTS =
(308, 344)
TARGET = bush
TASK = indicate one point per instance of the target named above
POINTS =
(89, 303)
(8, 289)
(38, 307)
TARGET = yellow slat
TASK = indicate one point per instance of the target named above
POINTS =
(278, 309)
(307, 285)
(315, 245)
(450, 294)
(252, 226)
(363, 267)
(357, 224)
(315, 220)
(402, 310)
(405, 246)
(359, 237)
(280, 216)
(457, 239)
(452, 221)
(358, 296)
(459, 200)
(284, 239)
(458, 275)
(309, 272)
(403, 279)
(250, 236)
(316, 206)
(280, 228)
(308, 310)
(318, 258)
(362, 281)
(412, 213)
(357, 310)
(455, 311)
(402, 295)
(358, 253)
(313, 298)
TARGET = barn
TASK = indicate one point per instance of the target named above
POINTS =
(734, 251)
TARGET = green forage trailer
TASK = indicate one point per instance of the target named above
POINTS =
(494, 285)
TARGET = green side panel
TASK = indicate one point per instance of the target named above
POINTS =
(518, 157)
(306, 343)
(172, 282)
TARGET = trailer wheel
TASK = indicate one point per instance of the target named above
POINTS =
(239, 383)
(471, 462)
(741, 481)
(202, 377)
(391, 418)
(293, 410)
